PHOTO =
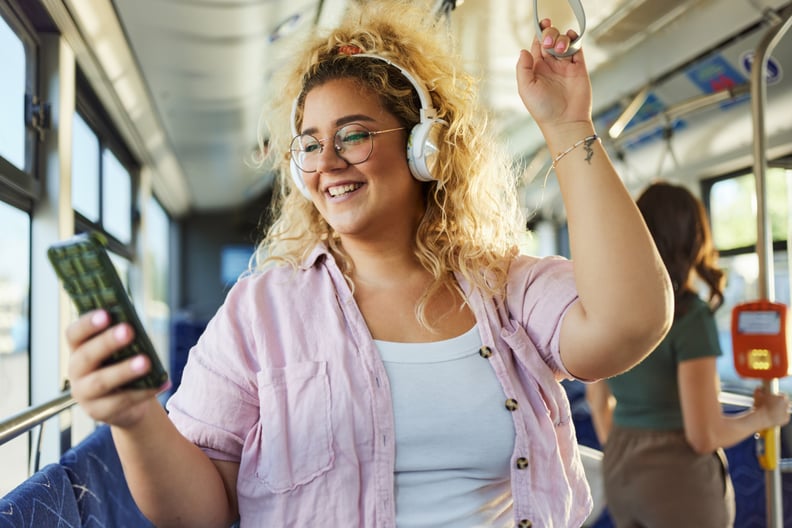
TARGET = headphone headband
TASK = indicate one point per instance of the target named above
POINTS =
(427, 110)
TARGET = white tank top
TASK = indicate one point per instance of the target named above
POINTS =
(454, 436)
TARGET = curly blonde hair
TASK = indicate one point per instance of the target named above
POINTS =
(472, 222)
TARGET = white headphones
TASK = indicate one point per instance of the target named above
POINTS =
(422, 145)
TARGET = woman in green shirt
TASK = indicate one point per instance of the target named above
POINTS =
(661, 423)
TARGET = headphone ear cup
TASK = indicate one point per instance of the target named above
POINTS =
(297, 177)
(422, 149)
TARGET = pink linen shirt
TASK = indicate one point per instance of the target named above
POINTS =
(287, 381)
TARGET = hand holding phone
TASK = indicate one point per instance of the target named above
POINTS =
(91, 280)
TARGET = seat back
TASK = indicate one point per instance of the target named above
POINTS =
(44, 499)
(100, 489)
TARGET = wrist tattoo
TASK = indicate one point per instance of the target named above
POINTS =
(586, 142)
(587, 147)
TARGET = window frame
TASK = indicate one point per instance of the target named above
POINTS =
(92, 112)
(706, 186)
(21, 187)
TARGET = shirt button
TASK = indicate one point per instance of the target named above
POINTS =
(525, 523)
(511, 404)
(485, 352)
(522, 463)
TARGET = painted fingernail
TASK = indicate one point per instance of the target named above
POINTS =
(547, 41)
(121, 333)
(99, 318)
(138, 364)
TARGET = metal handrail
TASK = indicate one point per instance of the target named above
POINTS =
(666, 117)
(780, 24)
(26, 420)
(736, 400)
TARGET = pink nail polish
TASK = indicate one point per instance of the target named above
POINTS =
(121, 333)
(138, 364)
(99, 319)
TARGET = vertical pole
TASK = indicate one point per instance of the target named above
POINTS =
(764, 243)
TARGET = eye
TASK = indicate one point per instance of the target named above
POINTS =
(310, 145)
(353, 135)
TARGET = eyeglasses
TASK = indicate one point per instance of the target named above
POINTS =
(352, 143)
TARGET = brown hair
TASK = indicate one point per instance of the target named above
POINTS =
(679, 226)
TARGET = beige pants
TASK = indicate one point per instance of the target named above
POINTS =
(654, 479)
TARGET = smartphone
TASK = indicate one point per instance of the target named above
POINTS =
(91, 280)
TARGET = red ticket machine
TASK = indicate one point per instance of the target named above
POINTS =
(759, 340)
(761, 351)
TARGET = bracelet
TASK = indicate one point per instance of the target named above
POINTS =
(587, 141)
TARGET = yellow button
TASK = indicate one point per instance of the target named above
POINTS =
(522, 463)
(511, 404)
(485, 352)
(525, 523)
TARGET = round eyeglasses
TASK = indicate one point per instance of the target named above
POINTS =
(352, 143)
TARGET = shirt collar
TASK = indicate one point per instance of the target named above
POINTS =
(321, 251)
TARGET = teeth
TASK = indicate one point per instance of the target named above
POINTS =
(343, 189)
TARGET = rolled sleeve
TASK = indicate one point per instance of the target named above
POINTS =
(216, 405)
(541, 292)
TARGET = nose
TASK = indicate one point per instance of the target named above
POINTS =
(329, 158)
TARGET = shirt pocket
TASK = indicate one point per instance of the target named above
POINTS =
(296, 436)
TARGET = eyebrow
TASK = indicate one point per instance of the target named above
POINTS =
(354, 118)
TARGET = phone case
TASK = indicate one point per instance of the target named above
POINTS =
(91, 280)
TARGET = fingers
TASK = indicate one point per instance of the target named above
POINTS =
(123, 408)
(775, 406)
(107, 380)
(525, 62)
(92, 343)
(86, 326)
(96, 383)
(552, 39)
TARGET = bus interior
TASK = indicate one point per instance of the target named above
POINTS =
(140, 119)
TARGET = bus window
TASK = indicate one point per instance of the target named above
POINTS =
(733, 210)
(18, 192)
(732, 206)
(93, 163)
(85, 170)
(14, 337)
(156, 236)
(12, 93)
(116, 198)
(104, 173)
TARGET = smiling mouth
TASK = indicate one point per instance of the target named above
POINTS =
(340, 190)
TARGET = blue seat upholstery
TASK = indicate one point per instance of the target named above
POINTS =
(100, 490)
(44, 500)
(87, 489)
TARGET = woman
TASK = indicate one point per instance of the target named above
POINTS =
(391, 359)
(661, 422)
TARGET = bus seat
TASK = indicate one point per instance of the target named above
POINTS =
(748, 479)
(100, 490)
(44, 499)
(185, 332)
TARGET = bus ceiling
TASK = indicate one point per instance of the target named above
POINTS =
(191, 112)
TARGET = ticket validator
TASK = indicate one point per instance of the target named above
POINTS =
(760, 343)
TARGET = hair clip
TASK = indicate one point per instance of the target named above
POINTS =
(349, 49)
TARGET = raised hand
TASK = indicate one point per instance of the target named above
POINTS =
(555, 91)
